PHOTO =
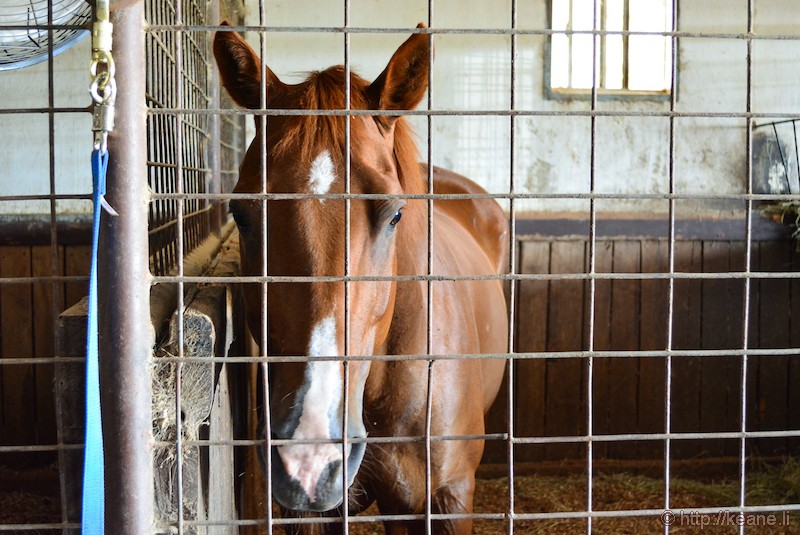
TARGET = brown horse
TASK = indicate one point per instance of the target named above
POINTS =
(306, 237)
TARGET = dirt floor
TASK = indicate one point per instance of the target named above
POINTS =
(31, 496)
(624, 491)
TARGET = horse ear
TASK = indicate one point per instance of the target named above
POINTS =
(402, 84)
(240, 69)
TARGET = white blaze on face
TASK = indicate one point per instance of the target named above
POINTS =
(306, 462)
(322, 174)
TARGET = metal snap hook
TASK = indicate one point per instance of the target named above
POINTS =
(102, 57)
(103, 89)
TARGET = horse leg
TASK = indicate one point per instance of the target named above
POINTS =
(455, 498)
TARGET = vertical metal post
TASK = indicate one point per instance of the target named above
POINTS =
(126, 334)
(214, 184)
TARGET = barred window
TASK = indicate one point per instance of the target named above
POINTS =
(632, 57)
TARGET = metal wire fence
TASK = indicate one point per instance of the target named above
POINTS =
(185, 149)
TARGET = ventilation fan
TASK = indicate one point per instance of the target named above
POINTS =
(24, 38)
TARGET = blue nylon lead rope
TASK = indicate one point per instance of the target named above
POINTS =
(93, 505)
(103, 92)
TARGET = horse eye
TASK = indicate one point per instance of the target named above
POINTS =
(396, 219)
(241, 221)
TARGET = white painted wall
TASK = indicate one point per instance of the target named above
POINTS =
(25, 146)
(552, 154)
(472, 72)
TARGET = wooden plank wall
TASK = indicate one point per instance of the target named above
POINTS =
(27, 315)
(628, 394)
(551, 395)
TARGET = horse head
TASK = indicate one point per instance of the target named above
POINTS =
(305, 156)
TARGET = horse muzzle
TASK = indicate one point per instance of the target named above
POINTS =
(309, 477)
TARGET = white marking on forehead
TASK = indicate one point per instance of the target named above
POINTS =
(306, 462)
(322, 174)
(323, 339)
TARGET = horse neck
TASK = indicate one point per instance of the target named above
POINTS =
(412, 260)
(407, 332)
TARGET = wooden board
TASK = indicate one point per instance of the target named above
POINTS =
(720, 375)
(48, 301)
(601, 368)
(624, 371)
(16, 326)
(29, 323)
(76, 262)
(566, 377)
(686, 334)
(220, 475)
(716, 335)
(495, 451)
(793, 396)
(653, 336)
(531, 336)
(770, 396)
(70, 392)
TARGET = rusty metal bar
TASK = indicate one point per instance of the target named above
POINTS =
(523, 355)
(215, 132)
(748, 254)
(126, 335)
(429, 285)
(512, 269)
(472, 31)
(347, 268)
(668, 363)
(592, 286)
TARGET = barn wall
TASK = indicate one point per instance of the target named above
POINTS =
(472, 72)
(628, 392)
(552, 316)
(27, 315)
(25, 151)
(553, 156)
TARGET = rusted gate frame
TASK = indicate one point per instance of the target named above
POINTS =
(126, 337)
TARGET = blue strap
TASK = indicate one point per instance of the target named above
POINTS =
(93, 511)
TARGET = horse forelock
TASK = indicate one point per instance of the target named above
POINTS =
(309, 135)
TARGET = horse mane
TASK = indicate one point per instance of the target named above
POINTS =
(325, 90)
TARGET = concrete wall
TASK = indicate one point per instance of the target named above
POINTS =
(472, 72)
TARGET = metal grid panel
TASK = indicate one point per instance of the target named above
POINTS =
(177, 81)
(591, 276)
(189, 197)
(36, 280)
(45, 255)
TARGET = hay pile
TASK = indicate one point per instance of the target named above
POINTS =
(624, 491)
(31, 496)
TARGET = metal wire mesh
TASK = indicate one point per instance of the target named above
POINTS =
(591, 275)
(182, 81)
(181, 111)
